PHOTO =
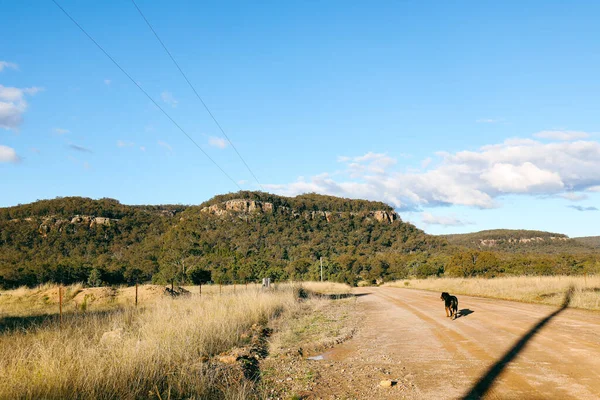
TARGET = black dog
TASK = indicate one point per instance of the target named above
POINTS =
(451, 304)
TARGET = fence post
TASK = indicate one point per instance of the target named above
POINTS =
(60, 298)
(200, 288)
(136, 294)
(220, 288)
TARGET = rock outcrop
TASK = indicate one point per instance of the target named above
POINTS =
(241, 206)
(537, 239)
(384, 216)
(102, 221)
(81, 219)
(53, 223)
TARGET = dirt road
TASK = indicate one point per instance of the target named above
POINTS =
(405, 336)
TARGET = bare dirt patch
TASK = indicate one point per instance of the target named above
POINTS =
(404, 337)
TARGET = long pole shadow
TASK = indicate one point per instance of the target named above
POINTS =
(483, 385)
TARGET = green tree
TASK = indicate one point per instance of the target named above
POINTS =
(95, 278)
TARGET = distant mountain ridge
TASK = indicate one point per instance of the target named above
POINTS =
(520, 241)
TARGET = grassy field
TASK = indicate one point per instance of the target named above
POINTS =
(532, 289)
(164, 348)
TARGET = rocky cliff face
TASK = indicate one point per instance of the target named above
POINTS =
(238, 206)
(52, 222)
(496, 242)
(251, 206)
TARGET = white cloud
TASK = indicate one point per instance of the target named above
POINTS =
(13, 105)
(425, 163)
(107, 81)
(524, 178)
(430, 219)
(217, 142)
(574, 196)
(168, 98)
(242, 182)
(165, 145)
(143, 148)
(488, 121)
(593, 189)
(61, 131)
(562, 135)
(124, 143)
(6, 64)
(8, 155)
(469, 178)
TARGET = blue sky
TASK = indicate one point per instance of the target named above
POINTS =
(463, 116)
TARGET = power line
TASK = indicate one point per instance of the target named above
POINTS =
(196, 93)
(147, 95)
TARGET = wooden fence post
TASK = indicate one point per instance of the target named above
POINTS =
(136, 294)
(220, 288)
(200, 288)
(60, 298)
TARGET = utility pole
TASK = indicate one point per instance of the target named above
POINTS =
(321, 269)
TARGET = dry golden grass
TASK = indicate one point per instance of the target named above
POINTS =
(107, 348)
(161, 348)
(532, 289)
(329, 288)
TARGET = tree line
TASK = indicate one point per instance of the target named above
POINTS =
(175, 243)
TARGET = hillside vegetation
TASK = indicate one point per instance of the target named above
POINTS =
(245, 236)
(589, 241)
(519, 241)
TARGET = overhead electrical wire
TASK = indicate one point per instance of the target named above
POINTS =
(146, 93)
(195, 91)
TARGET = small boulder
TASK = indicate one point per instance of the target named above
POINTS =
(387, 383)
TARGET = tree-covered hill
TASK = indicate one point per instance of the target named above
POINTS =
(65, 239)
(589, 241)
(520, 241)
(245, 236)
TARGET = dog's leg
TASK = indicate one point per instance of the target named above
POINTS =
(447, 312)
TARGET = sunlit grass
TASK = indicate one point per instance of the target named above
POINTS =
(164, 348)
(533, 289)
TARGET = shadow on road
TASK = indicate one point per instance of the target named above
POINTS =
(464, 312)
(487, 380)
